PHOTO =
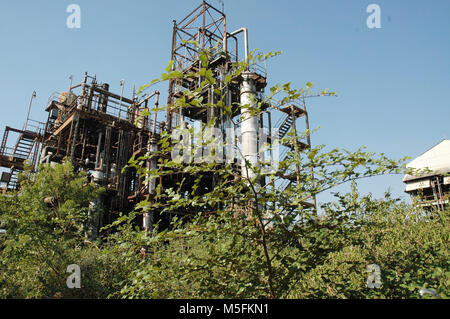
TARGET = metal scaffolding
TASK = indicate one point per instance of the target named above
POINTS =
(99, 131)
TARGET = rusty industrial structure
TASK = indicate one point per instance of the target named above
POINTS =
(99, 131)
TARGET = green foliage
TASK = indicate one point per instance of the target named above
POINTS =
(66, 211)
(263, 241)
(43, 238)
(238, 239)
(326, 257)
(409, 245)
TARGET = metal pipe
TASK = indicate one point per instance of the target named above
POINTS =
(147, 98)
(245, 40)
(152, 148)
(155, 116)
(70, 85)
(33, 95)
(82, 98)
(225, 38)
(45, 159)
(45, 155)
(122, 84)
(97, 156)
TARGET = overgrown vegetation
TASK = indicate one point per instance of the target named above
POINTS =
(47, 230)
(261, 241)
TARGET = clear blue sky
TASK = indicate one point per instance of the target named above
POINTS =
(393, 82)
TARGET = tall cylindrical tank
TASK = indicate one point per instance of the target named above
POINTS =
(249, 126)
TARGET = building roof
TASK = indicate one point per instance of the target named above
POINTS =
(436, 159)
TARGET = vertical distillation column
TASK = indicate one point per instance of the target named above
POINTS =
(152, 148)
(249, 126)
(249, 121)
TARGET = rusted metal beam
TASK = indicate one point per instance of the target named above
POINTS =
(12, 162)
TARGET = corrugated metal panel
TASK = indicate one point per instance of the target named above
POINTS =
(417, 185)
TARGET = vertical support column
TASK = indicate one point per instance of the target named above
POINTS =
(107, 154)
(82, 100)
(74, 141)
(103, 101)
(440, 202)
(296, 144)
(171, 81)
(308, 138)
(204, 25)
(152, 148)
(99, 148)
(249, 126)
(90, 97)
(262, 138)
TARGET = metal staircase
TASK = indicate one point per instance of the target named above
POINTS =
(24, 146)
(22, 151)
(13, 181)
(25, 149)
(285, 126)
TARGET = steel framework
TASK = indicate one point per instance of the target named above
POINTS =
(99, 131)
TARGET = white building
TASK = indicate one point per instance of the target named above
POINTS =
(432, 188)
